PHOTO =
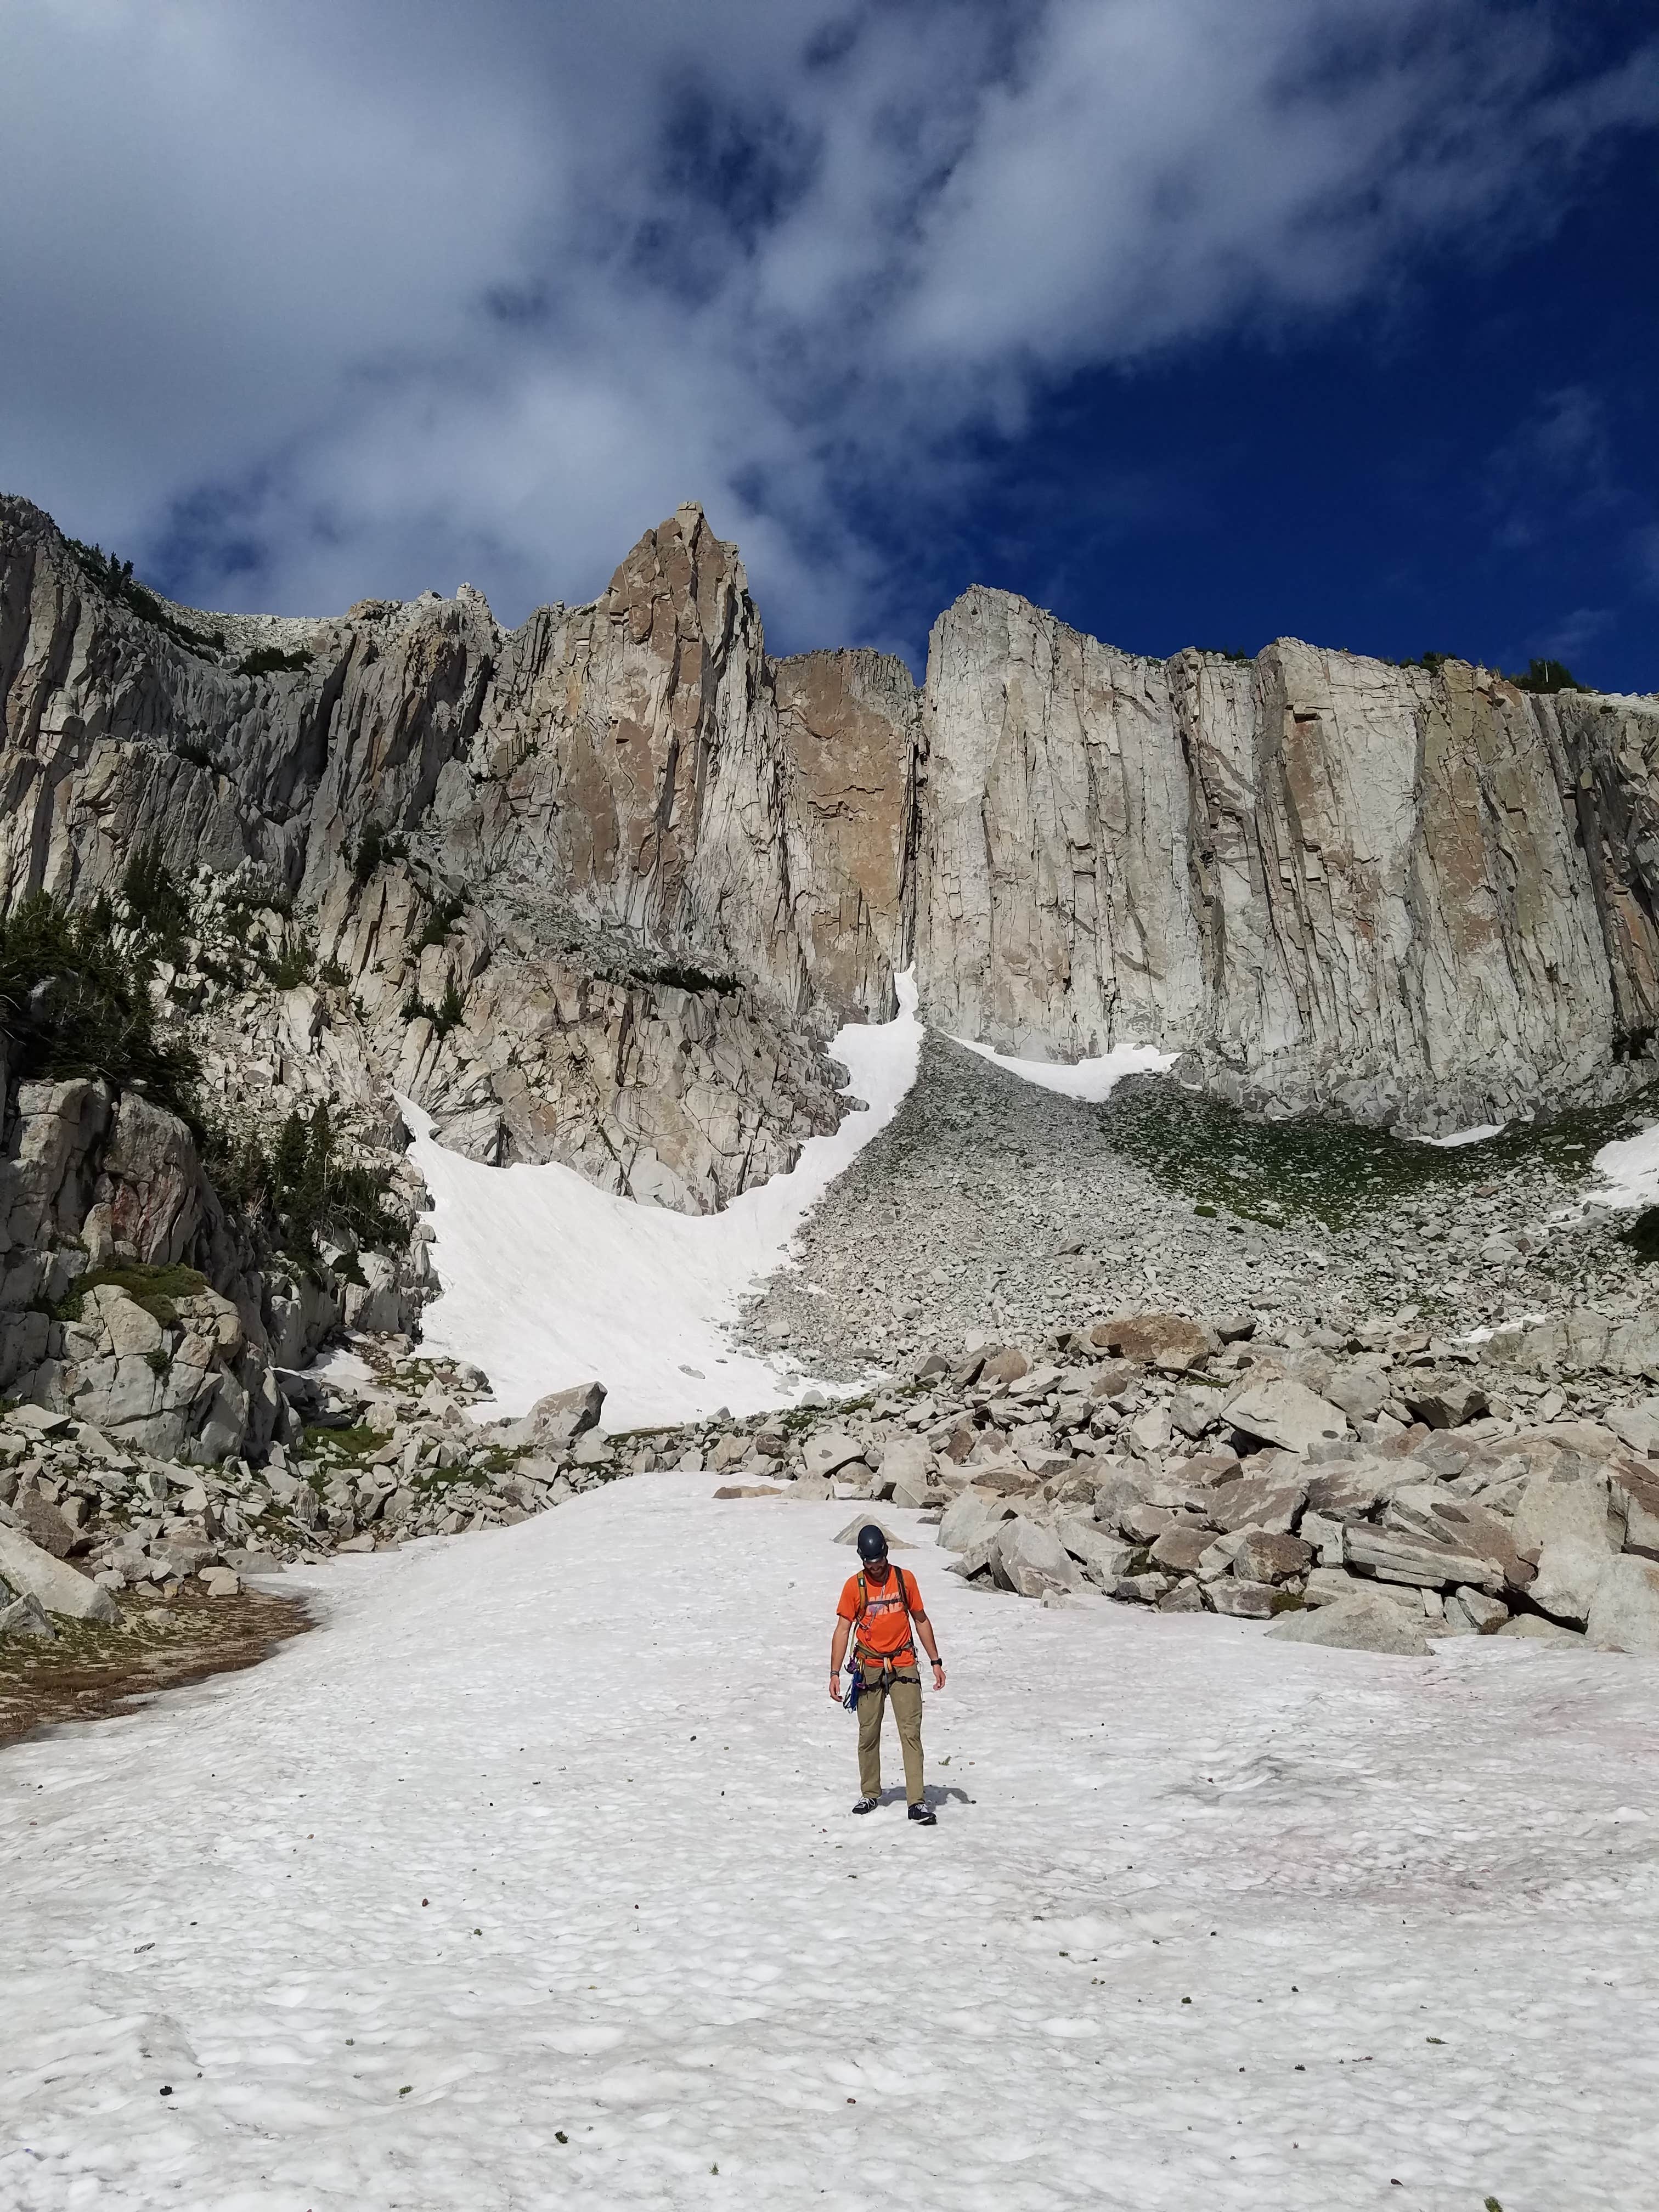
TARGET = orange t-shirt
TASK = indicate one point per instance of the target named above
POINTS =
(885, 1627)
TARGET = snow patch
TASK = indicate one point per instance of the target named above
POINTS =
(1482, 1133)
(1093, 1081)
(548, 1281)
(479, 1864)
(1629, 1168)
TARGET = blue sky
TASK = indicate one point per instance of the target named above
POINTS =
(1198, 321)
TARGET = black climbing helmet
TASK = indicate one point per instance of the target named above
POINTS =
(872, 1545)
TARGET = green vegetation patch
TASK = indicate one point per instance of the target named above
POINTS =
(441, 921)
(155, 901)
(376, 849)
(677, 978)
(346, 1443)
(448, 1014)
(271, 660)
(116, 579)
(1333, 1171)
(154, 1289)
(73, 1002)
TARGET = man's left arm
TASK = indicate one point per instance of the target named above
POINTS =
(924, 1628)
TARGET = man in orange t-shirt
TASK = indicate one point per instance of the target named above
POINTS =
(879, 1609)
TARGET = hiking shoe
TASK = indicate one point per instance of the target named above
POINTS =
(921, 1814)
(866, 1804)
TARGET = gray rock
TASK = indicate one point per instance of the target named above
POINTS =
(1528, 1628)
(1637, 1425)
(1242, 1600)
(1195, 1412)
(1471, 1612)
(1569, 1575)
(1102, 1557)
(1178, 1550)
(1624, 1613)
(1444, 1401)
(1270, 1557)
(34, 1573)
(1424, 1511)
(1566, 1504)
(1142, 1589)
(1185, 1597)
(1634, 1494)
(1361, 1392)
(1360, 1623)
(27, 1617)
(42, 1522)
(1286, 1413)
(1257, 1502)
(828, 1451)
(1393, 1555)
(1327, 1585)
(1033, 1558)
(970, 1517)
(895, 1542)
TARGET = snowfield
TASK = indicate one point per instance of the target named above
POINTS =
(529, 1879)
(1093, 1081)
(548, 1281)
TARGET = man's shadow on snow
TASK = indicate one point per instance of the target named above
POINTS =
(933, 1794)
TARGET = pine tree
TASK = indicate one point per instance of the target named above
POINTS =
(287, 1167)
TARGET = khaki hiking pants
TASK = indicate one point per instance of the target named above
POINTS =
(902, 1689)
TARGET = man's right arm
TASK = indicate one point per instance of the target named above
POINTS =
(837, 1653)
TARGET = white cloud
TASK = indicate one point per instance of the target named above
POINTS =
(309, 302)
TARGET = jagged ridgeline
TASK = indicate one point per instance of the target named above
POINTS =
(599, 889)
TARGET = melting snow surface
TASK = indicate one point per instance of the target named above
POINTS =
(1090, 1080)
(1630, 1169)
(529, 1880)
(548, 1281)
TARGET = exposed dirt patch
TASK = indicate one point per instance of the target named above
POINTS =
(91, 1671)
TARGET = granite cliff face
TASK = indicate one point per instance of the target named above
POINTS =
(599, 888)
(1333, 883)
(585, 891)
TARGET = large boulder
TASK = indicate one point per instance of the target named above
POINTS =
(1265, 1556)
(1178, 1549)
(970, 1517)
(1624, 1615)
(1033, 1559)
(150, 1195)
(1444, 1402)
(1105, 1559)
(170, 1371)
(1570, 1573)
(554, 1423)
(831, 1450)
(33, 1572)
(905, 1463)
(1360, 1391)
(1256, 1501)
(1634, 1490)
(1286, 1413)
(1638, 1427)
(1396, 1557)
(46, 1173)
(1567, 1503)
(42, 1523)
(1168, 1342)
(299, 1311)
(1364, 1622)
(1423, 1509)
